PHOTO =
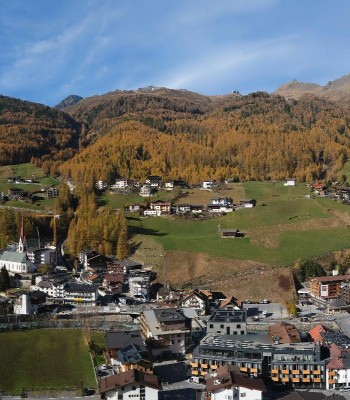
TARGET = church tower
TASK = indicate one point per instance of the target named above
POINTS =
(22, 244)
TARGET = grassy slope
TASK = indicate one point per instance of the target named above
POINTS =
(44, 359)
(297, 225)
(27, 170)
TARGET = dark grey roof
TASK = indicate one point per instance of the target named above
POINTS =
(169, 315)
(79, 287)
(127, 263)
(122, 339)
(228, 315)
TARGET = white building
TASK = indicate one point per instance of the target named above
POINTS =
(338, 368)
(228, 383)
(29, 303)
(207, 185)
(166, 330)
(120, 183)
(131, 384)
(290, 182)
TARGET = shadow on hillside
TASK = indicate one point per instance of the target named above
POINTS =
(138, 230)
(133, 219)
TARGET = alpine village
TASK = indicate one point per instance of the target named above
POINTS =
(163, 244)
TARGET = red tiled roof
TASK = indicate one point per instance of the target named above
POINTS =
(315, 333)
(128, 377)
(288, 333)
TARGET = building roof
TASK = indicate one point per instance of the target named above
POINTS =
(158, 318)
(226, 377)
(228, 315)
(121, 339)
(118, 277)
(126, 378)
(339, 358)
(333, 278)
(315, 332)
(79, 287)
(287, 333)
(13, 256)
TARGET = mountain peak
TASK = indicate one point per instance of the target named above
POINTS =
(68, 101)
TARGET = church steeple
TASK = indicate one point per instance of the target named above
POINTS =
(22, 244)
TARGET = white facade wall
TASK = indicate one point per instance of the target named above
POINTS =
(236, 393)
(133, 392)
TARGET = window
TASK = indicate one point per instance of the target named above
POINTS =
(211, 326)
(221, 326)
(238, 326)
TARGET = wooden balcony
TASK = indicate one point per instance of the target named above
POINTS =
(331, 373)
(285, 371)
(204, 366)
(244, 369)
(274, 371)
(317, 372)
(253, 370)
(295, 372)
(331, 381)
(306, 380)
(213, 366)
(285, 379)
(204, 373)
(275, 378)
(295, 380)
(194, 372)
(194, 365)
(317, 380)
(306, 372)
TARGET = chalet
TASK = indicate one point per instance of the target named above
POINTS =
(120, 183)
(207, 185)
(219, 208)
(154, 181)
(162, 207)
(290, 182)
(113, 282)
(225, 201)
(228, 382)
(145, 191)
(327, 287)
(197, 300)
(130, 384)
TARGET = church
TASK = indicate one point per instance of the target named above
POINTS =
(17, 261)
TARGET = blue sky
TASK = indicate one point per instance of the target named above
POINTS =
(50, 49)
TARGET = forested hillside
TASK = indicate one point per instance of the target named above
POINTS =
(30, 131)
(258, 137)
(179, 134)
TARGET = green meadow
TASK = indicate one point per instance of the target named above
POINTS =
(44, 359)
